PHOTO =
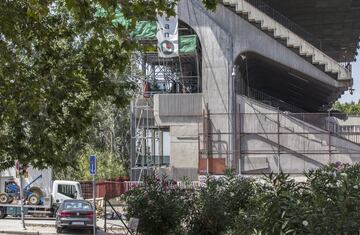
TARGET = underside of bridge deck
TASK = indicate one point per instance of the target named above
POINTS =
(335, 22)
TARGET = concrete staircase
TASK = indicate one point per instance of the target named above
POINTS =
(292, 40)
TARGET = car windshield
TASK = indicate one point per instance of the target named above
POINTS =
(76, 205)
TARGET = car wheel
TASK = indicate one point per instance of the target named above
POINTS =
(58, 230)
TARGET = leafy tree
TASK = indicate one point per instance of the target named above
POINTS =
(111, 130)
(108, 139)
(58, 58)
(348, 108)
(108, 166)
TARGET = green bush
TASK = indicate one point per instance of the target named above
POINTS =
(216, 205)
(207, 215)
(327, 203)
(274, 209)
(160, 206)
(333, 200)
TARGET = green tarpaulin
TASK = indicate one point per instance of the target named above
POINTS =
(146, 30)
(187, 44)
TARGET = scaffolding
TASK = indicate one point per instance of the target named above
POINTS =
(154, 75)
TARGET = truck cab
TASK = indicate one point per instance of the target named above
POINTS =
(65, 190)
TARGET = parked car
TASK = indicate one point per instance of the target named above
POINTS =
(74, 214)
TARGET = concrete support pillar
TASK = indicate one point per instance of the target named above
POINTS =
(161, 142)
(152, 153)
(143, 146)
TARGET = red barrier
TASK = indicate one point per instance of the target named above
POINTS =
(110, 188)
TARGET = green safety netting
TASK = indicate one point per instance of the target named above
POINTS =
(146, 30)
(187, 44)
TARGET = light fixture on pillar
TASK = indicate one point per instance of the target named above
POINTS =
(351, 90)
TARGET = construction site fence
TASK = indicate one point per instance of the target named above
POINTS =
(294, 142)
(115, 189)
(278, 128)
(111, 189)
(335, 123)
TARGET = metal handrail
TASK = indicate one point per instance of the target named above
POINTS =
(275, 102)
(107, 202)
(153, 160)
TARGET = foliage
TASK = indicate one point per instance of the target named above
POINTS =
(274, 209)
(111, 130)
(216, 205)
(57, 60)
(173, 210)
(109, 166)
(327, 203)
(108, 140)
(334, 201)
(159, 206)
(348, 108)
(208, 215)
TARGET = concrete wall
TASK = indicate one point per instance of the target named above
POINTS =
(184, 146)
(183, 114)
(306, 146)
(350, 121)
(184, 156)
(217, 58)
(177, 109)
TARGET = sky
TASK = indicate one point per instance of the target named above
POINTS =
(346, 97)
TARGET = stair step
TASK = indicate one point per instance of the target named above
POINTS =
(278, 31)
(229, 2)
(281, 32)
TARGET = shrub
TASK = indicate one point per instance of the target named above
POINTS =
(216, 205)
(333, 199)
(327, 203)
(274, 209)
(160, 206)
